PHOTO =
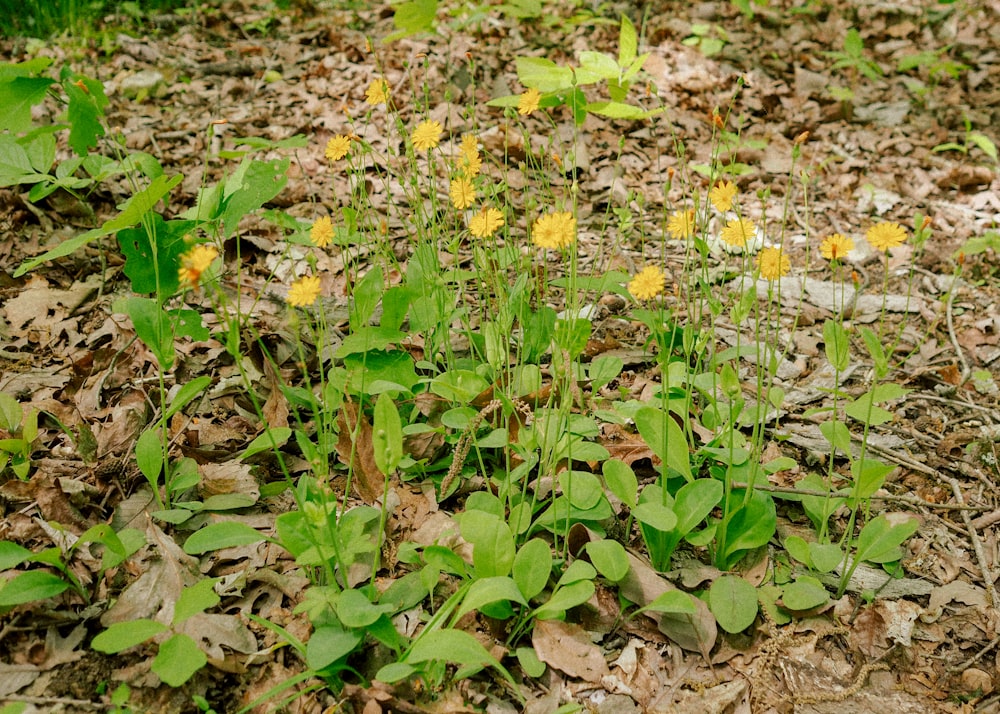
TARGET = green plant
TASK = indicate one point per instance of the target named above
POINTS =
(853, 59)
(973, 139)
(18, 432)
(709, 39)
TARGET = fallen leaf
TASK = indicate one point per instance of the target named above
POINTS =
(568, 648)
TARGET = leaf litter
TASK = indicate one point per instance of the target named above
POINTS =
(65, 352)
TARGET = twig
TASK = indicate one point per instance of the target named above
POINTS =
(974, 658)
(81, 703)
(950, 320)
(911, 500)
(977, 545)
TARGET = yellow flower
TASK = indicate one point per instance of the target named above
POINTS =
(555, 230)
(486, 222)
(836, 246)
(528, 102)
(648, 283)
(722, 195)
(883, 236)
(195, 262)
(321, 233)
(463, 194)
(427, 135)
(303, 291)
(773, 263)
(470, 163)
(738, 231)
(681, 224)
(337, 147)
(469, 147)
(377, 92)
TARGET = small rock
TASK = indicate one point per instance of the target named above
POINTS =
(141, 83)
(977, 680)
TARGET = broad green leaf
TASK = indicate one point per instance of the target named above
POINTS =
(12, 554)
(543, 74)
(253, 184)
(621, 481)
(86, 110)
(628, 42)
(798, 548)
(662, 434)
(825, 556)
(395, 672)
(883, 534)
(869, 476)
(750, 527)
(131, 213)
(454, 646)
(153, 326)
(876, 350)
(582, 488)
(271, 439)
(527, 657)
(565, 598)
(837, 433)
(123, 635)
(733, 602)
(224, 534)
(655, 515)
(18, 94)
(493, 548)
(486, 591)
(329, 644)
(413, 17)
(619, 110)
(532, 567)
(387, 435)
(356, 611)
(804, 594)
(459, 385)
(694, 501)
(595, 66)
(675, 601)
(159, 239)
(610, 559)
(178, 660)
(602, 370)
(149, 455)
(30, 586)
(196, 599)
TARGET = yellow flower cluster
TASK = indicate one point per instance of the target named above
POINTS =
(485, 223)
(303, 291)
(681, 224)
(554, 230)
(337, 147)
(195, 262)
(528, 102)
(321, 233)
(377, 92)
(648, 283)
(773, 263)
(836, 246)
(723, 195)
(427, 135)
(881, 236)
(738, 231)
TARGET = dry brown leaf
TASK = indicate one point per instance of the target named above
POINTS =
(355, 448)
(568, 648)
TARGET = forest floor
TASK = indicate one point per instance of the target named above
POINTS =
(930, 645)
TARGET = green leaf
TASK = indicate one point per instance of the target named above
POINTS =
(825, 556)
(86, 109)
(543, 74)
(869, 476)
(153, 326)
(655, 515)
(527, 657)
(853, 44)
(532, 567)
(619, 110)
(271, 439)
(453, 646)
(17, 96)
(329, 644)
(178, 660)
(486, 591)
(196, 599)
(412, 18)
(805, 593)
(459, 385)
(123, 635)
(836, 344)
(628, 42)
(395, 672)
(149, 455)
(659, 430)
(733, 601)
(582, 488)
(675, 601)
(750, 527)
(131, 213)
(30, 586)
(493, 548)
(186, 393)
(224, 534)
(253, 184)
(883, 534)
(565, 598)
(798, 548)
(12, 554)
(610, 559)
(595, 66)
(153, 254)
(356, 611)
(876, 350)
(837, 434)
(387, 435)
(621, 481)
(694, 501)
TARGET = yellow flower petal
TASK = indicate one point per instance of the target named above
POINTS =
(555, 230)
(648, 283)
(427, 135)
(303, 291)
(883, 236)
